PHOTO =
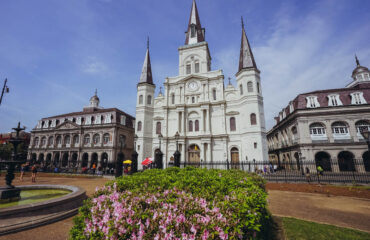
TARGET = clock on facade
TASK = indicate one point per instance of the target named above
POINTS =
(193, 86)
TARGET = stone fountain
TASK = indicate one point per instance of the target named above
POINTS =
(9, 192)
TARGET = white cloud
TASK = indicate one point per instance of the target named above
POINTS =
(94, 66)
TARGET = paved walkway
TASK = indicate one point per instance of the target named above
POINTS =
(335, 210)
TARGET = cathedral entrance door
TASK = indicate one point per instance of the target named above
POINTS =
(234, 158)
(194, 155)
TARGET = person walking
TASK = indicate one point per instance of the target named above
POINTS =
(320, 171)
(34, 172)
(23, 169)
(94, 168)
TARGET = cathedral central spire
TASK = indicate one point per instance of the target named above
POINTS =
(195, 32)
(246, 59)
(146, 72)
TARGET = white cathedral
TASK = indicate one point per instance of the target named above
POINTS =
(214, 122)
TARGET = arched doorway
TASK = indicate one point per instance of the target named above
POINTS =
(94, 160)
(85, 160)
(41, 158)
(65, 160)
(48, 159)
(74, 159)
(323, 159)
(234, 153)
(194, 154)
(56, 159)
(345, 161)
(104, 160)
(366, 159)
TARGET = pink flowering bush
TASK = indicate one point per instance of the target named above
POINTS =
(176, 203)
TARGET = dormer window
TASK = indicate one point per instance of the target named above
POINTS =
(357, 98)
(312, 102)
(334, 100)
(291, 107)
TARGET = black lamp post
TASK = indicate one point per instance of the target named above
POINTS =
(177, 154)
(119, 162)
(300, 162)
(366, 135)
(159, 154)
(134, 156)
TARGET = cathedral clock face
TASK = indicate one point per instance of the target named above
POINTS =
(193, 86)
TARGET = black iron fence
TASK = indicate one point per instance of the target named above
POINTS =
(335, 171)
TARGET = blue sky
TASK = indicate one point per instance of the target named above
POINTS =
(55, 53)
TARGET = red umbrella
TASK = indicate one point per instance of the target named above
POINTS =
(147, 161)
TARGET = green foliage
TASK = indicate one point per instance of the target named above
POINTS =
(304, 230)
(244, 194)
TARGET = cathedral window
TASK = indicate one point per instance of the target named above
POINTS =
(87, 139)
(241, 89)
(188, 68)
(253, 119)
(149, 100)
(139, 126)
(196, 67)
(190, 126)
(106, 138)
(250, 86)
(255, 145)
(192, 99)
(232, 124)
(196, 125)
(258, 88)
(214, 94)
(96, 138)
(158, 127)
(141, 99)
(173, 98)
(192, 30)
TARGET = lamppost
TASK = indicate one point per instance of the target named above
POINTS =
(365, 134)
(254, 163)
(177, 154)
(134, 156)
(120, 158)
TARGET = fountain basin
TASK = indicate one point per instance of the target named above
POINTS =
(61, 201)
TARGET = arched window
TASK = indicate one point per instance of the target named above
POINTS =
(366, 160)
(36, 141)
(362, 125)
(192, 99)
(173, 98)
(253, 119)
(59, 140)
(139, 126)
(232, 124)
(196, 125)
(241, 89)
(87, 139)
(258, 88)
(250, 86)
(158, 128)
(149, 99)
(214, 94)
(141, 99)
(345, 161)
(196, 66)
(67, 139)
(96, 138)
(323, 159)
(43, 141)
(190, 126)
(76, 139)
(317, 129)
(106, 138)
(51, 140)
(340, 130)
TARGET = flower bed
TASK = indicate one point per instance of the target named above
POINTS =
(176, 203)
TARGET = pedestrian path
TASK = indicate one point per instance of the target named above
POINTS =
(335, 210)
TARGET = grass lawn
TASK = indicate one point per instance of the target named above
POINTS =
(304, 230)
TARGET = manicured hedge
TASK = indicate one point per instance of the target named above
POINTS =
(191, 203)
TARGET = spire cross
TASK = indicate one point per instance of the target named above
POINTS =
(229, 80)
(147, 42)
(96, 92)
(357, 61)
(160, 90)
(242, 22)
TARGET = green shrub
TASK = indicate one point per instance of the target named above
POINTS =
(241, 193)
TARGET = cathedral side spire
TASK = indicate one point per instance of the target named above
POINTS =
(146, 72)
(246, 59)
(357, 61)
(195, 32)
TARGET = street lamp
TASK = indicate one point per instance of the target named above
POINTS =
(134, 156)
(365, 134)
(300, 163)
(177, 154)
